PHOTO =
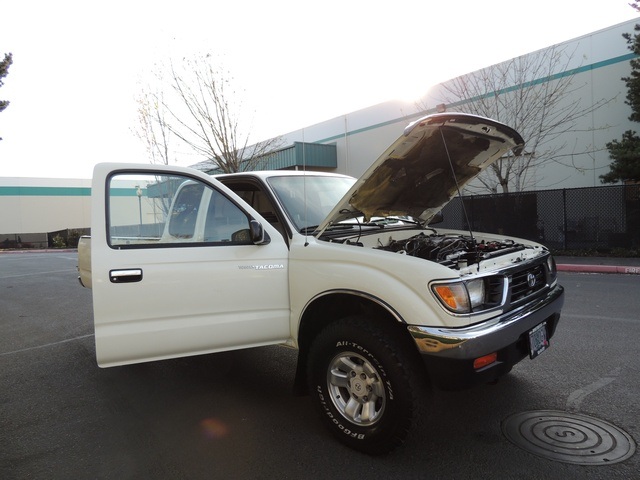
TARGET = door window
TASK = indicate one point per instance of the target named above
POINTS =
(148, 210)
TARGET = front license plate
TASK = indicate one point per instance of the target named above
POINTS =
(538, 341)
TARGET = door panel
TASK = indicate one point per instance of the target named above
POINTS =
(174, 270)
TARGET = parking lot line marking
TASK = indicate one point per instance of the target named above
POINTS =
(37, 273)
(46, 345)
(635, 321)
(576, 397)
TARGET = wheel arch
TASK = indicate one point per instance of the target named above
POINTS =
(330, 306)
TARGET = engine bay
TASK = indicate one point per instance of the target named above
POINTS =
(453, 251)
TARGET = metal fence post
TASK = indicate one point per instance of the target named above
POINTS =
(564, 218)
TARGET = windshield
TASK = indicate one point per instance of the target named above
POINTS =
(322, 194)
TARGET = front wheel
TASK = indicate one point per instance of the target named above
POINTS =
(361, 379)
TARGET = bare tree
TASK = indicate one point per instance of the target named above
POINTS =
(153, 129)
(197, 104)
(537, 95)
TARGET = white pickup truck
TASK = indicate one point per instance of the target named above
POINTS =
(350, 272)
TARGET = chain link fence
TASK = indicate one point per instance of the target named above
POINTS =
(605, 217)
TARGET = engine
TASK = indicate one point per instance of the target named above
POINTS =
(453, 251)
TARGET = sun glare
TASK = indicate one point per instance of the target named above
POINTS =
(413, 88)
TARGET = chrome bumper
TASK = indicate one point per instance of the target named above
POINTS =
(490, 336)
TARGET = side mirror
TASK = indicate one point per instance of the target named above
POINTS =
(257, 234)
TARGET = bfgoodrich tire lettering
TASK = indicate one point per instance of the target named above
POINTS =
(362, 383)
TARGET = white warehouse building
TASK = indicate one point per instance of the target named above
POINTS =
(597, 63)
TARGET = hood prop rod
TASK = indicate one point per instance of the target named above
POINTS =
(464, 210)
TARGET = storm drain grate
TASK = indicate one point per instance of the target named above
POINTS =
(568, 437)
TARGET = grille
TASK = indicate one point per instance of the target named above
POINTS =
(495, 291)
(520, 283)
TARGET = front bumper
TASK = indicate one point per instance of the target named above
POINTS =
(449, 353)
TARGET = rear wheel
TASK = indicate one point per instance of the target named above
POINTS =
(362, 381)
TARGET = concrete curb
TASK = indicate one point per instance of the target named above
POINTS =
(599, 269)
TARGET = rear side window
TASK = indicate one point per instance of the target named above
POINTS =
(147, 210)
(184, 213)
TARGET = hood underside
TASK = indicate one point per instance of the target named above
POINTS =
(422, 170)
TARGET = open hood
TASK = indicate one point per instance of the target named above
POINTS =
(423, 170)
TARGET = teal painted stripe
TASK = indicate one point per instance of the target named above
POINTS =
(557, 76)
(45, 191)
(585, 68)
(126, 192)
(63, 192)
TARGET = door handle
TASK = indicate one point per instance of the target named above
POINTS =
(128, 275)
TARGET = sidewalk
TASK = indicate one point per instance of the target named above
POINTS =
(39, 250)
(598, 265)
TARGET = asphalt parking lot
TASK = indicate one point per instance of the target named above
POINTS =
(232, 415)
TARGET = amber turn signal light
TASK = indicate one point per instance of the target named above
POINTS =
(481, 362)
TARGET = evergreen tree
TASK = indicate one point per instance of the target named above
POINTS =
(625, 153)
(4, 70)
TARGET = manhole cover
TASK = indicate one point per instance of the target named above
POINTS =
(568, 437)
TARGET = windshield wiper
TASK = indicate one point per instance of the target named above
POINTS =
(393, 220)
(380, 222)
(336, 226)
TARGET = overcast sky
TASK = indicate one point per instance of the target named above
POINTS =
(78, 64)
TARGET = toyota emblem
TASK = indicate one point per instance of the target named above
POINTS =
(531, 280)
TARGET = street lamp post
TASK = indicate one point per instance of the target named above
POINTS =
(139, 194)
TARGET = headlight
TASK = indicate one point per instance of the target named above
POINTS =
(454, 296)
(471, 296)
(476, 292)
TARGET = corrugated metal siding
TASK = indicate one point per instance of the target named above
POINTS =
(316, 155)
(282, 159)
(302, 154)
(310, 155)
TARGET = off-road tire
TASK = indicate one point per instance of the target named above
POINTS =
(362, 380)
